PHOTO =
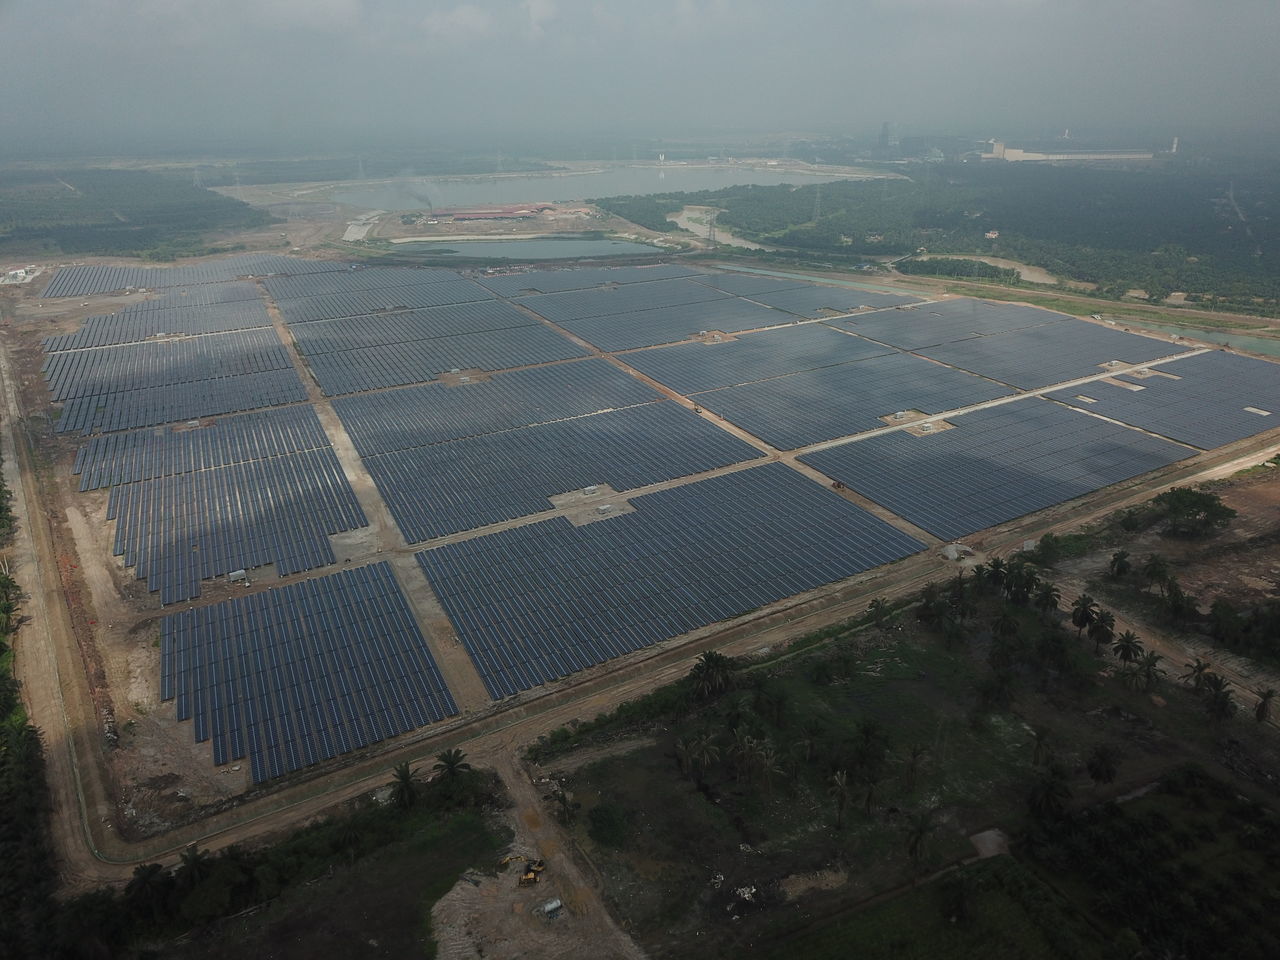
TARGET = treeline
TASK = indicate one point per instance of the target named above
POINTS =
(445, 815)
(132, 213)
(1156, 230)
(954, 267)
(649, 212)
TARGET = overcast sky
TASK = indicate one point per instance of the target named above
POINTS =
(96, 74)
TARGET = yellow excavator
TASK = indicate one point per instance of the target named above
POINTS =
(531, 872)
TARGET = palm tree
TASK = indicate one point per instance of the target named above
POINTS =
(682, 749)
(878, 610)
(1155, 569)
(1102, 763)
(870, 774)
(742, 753)
(1049, 794)
(840, 792)
(919, 828)
(996, 571)
(147, 892)
(1048, 599)
(703, 752)
(1102, 630)
(1006, 626)
(1083, 612)
(451, 763)
(1149, 670)
(915, 757)
(712, 675)
(1196, 671)
(1127, 647)
(981, 578)
(1263, 709)
(1220, 700)
(194, 867)
(1041, 747)
(404, 785)
(1120, 565)
(766, 758)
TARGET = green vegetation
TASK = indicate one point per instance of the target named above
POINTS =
(650, 212)
(1159, 231)
(992, 910)
(953, 267)
(116, 213)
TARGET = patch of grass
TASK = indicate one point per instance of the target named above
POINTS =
(991, 910)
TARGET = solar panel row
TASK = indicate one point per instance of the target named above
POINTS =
(580, 278)
(180, 401)
(437, 490)
(117, 458)
(1219, 398)
(357, 302)
(135, 326)
(627, 298)
(997, 464)
(433, 413)
(89, 279)
(347, 281)
(536, 603)
(816, 405)
(178, 530)
(811, 300)
(136, 366)
(695, 367)
(303, 673)
(393, 365)
(946, 321)
(351, 333)
(1052, 353)
(669, 324)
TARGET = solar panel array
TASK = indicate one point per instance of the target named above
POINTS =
(1040, 356)
(1207, 407)
(810, 300)
(149, 406)
(816, 405)
(580, 278)
(180, 529)
(746, 285)
(681, 321)
(89, 279)
(136, 366)
(536, 603)
(997, 464)
(116, 458)
(397, 364)
(695, 367)
(354, 303)
(301, 674)
(433, 413)
(350, 333)
(449, 487)
(347, 281)
(946, 322)
(627, 298)
(133, 326)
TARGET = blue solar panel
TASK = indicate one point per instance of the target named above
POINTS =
(448, 487)
(695, 367)
(1206, 400)
(536, 603)
(670, 324)
(297, 675)
(416, 416)
(816, 405)
(1051, 353)
(997, 464)
(580, 278)
(946, 321)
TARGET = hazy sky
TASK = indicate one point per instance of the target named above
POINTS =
(103, 73)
